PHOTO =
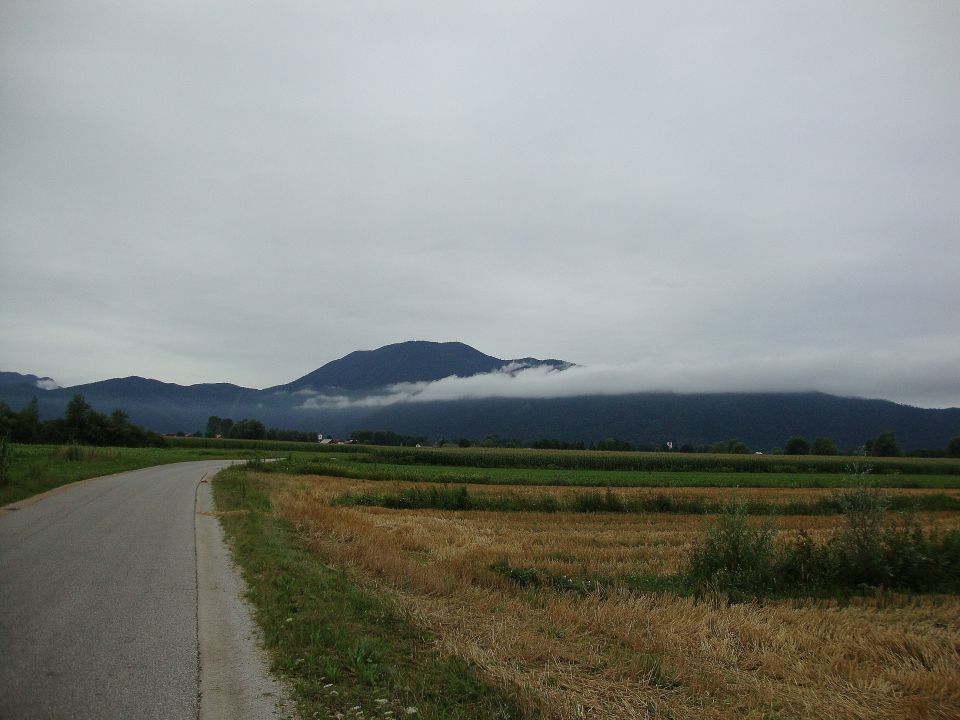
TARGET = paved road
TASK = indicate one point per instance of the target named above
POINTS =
(99, 599)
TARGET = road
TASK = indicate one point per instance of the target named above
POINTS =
(117, 600)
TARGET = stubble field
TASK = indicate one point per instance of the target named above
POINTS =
(574, 612)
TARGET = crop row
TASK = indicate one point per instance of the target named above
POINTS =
(362, 468)
(460, 498)
(647, 462)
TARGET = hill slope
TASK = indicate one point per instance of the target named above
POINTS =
(762, 420)
(412, 361)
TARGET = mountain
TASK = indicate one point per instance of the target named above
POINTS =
(406, 362)
(316, 402)
(13, 378)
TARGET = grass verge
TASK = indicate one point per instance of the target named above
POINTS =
(34, 469)
(345, 650)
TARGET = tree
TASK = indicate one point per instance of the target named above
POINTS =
(953, 447)
(29, 422)
(219, 426)
(823, 446)
(213, 426)
(731, 446)
(613, 444)
(796, 445)
(884, 445)
(249, 429)
(77, 417)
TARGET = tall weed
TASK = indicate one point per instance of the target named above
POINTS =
(735, 556)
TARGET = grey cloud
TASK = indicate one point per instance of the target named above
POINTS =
(200, 195)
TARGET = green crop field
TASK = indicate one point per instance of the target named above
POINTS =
(371, 467)
(36, 468)
(650, 461)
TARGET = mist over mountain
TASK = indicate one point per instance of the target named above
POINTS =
(451, 390)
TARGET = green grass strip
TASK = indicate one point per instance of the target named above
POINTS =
(657, 461)
(347, 467)
(343, 648)
(35, 469)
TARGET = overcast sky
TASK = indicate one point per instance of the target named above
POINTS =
(677, 195)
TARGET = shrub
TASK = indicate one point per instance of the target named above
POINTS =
(595, 502)
(857, 548)
(872, 547)
(735, 555)
(72, 452)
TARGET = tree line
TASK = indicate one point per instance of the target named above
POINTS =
(252, 429)
(84, 425)
(884, 445)
(80, 424)
(386, 437)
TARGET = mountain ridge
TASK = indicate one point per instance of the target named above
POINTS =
(406, 362)
(762, 420)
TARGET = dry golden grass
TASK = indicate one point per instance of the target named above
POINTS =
(622, 655)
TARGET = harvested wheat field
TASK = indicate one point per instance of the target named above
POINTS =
(618, 652)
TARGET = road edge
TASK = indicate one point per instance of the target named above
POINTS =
(234, 678)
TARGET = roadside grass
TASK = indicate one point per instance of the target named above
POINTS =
(345, 649)
(351, 466)
(35, 469)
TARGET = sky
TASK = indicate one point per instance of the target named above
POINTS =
(690, 196)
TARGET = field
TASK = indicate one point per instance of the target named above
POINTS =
(494, 584)
(34, 469)
(584, 613)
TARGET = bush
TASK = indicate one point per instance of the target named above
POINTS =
(735, 556)
(857, 548)
(872, 547)
(595, 502)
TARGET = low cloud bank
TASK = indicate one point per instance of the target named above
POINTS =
(875, 376)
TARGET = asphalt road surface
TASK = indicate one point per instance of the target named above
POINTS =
(117, 600)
